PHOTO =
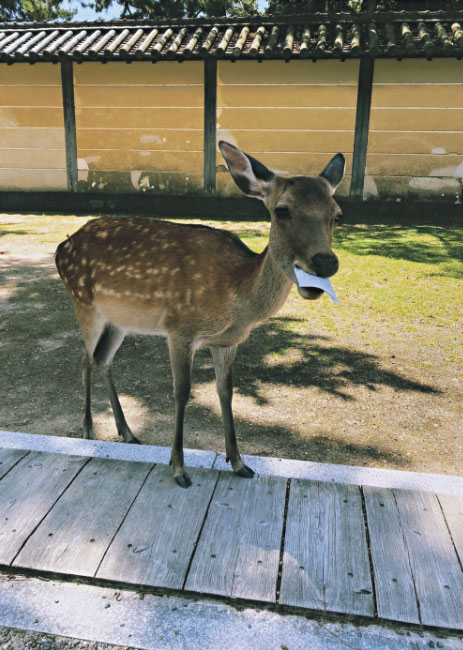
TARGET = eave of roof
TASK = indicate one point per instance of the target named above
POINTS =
(315, 36)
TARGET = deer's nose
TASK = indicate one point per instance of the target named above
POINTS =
(325, 265)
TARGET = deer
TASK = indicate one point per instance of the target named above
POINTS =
(196, 285)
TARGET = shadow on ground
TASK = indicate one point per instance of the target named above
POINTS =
(397, 243)
(41, 388)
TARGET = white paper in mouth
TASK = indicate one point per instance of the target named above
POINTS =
(305, 279)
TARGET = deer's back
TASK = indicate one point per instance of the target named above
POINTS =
(144, 272)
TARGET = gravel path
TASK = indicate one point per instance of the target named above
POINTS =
(11, 639)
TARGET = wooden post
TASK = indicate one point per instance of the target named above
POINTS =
(210, 124)
(362, 126)
(67, 85)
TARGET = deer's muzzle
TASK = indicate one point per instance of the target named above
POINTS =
(325, 265)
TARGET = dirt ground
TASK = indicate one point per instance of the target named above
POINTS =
(314, 395)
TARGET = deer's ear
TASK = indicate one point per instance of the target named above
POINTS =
(251, 176)
(334, 171)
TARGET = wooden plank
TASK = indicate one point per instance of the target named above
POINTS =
(9, 458)
(439, 165)
(32, 159)
(141, 139)
(67, 81)
(285, 95)
(210, 123)
(130, 118)
(410, 142)
(156, 541)
(325, 561)
(28, 492)
(168, 183)
(27, 96)
(76, 533)
(238, 552)
(24, 74)
(138, 73)
(33, 179)
(428, 96)
(159, 161)
(283, 140)
(395, 591)
(362, 126)
(30, 116)
(136, 96)
(31, 138)
(416, 119)
(283, 118)
(418, 71)
(436, 570)
(453, 513)
(278, 72)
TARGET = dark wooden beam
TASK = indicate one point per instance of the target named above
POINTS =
(362, 126)
(210, 124)
(67, 85)
(407, 212)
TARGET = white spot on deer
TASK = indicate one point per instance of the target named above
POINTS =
(102, 234)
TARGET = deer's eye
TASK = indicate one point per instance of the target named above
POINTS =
(282, 213)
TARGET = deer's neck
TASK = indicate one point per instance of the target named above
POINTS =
(269, 288)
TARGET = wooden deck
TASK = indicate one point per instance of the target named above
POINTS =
(369, 552)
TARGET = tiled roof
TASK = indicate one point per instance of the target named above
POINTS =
(438, 34)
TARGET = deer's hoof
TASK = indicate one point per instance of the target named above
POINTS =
(135, 441)
(245, 472)
(183, 480)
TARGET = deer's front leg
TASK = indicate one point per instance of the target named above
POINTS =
(181, 359)
(223, 364)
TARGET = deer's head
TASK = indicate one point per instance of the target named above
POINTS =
(302, 210)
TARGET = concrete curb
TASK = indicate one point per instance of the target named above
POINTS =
(169, 622)
(374, 477)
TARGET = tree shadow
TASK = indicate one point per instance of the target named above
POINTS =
(3, 233)
(330, 368)
(394, 242)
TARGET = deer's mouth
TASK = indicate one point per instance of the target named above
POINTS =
(311, 286)
(310, 293)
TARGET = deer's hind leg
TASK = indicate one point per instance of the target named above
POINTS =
(181, 359)
(101, 341)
